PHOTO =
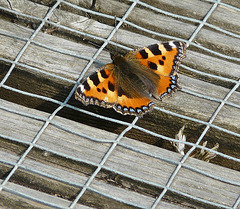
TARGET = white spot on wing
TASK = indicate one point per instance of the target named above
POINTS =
(81, 88)
(172, 44)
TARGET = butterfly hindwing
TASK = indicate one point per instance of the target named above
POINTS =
(130, 101)
(133, 106)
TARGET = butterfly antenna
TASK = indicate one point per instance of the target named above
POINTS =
(112, 52)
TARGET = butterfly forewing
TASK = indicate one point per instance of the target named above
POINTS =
(164, 60)
(99, 88)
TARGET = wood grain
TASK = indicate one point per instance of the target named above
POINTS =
(61, 50)
(121, 161)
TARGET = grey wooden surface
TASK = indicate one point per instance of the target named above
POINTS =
(123, 160)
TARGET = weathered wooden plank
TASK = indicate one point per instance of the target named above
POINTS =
(159, 22)
(84, 24)
(121, 160)
(70, 67)
(11, 130)
(168, 25)
(9, 200)
(226, 17)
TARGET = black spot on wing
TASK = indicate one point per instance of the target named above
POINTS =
(154, 49)
(163, 57)
(152, 65)
(86, 86)
(103, 74)
(98, 89)
(104, 90)
(177, 44)
(143, 53)
(111, 86)
(161, 62)
(167, 46)
(94, 78)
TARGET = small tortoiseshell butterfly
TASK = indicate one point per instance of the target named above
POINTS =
(131, 83)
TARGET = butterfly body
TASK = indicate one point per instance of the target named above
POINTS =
(132, 77)
(131, 83)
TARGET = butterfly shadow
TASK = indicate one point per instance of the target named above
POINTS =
(95, 116)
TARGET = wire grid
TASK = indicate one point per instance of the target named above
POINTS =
(117, 141)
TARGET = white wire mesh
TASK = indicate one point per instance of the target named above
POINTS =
(49, 119)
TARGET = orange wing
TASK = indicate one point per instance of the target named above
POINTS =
(99, 88)
(128, 105)
(164, 60)
(104, 87)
